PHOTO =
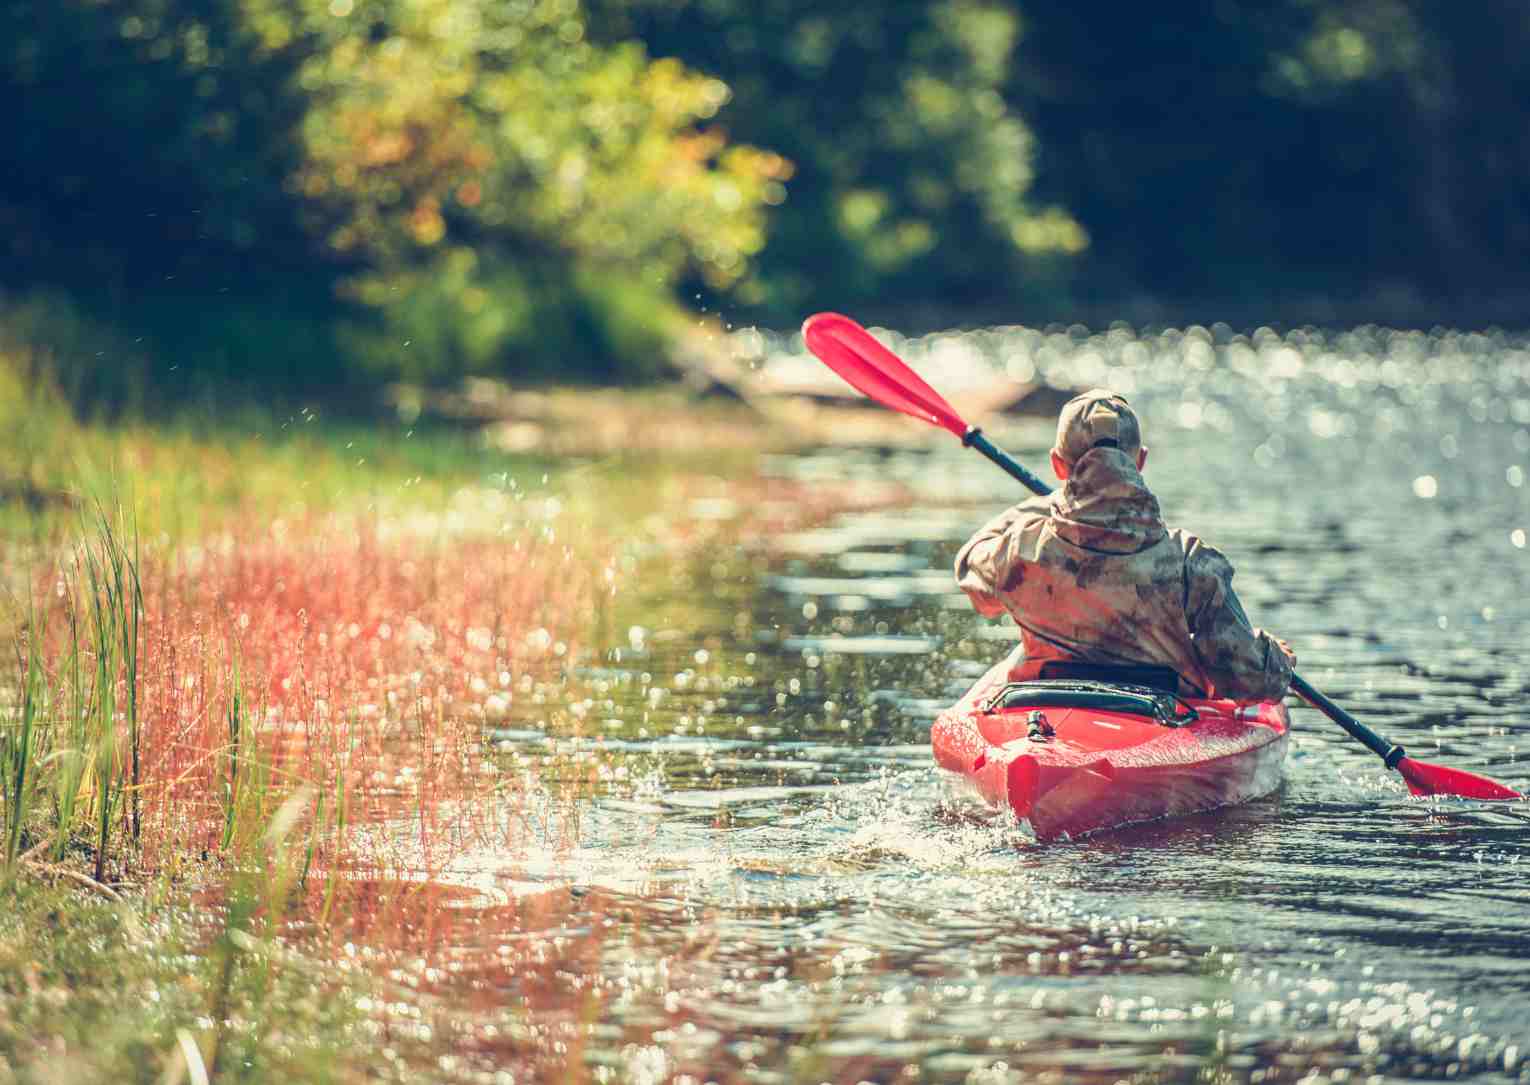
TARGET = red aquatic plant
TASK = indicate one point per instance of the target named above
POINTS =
(361, 667)
(344, 659)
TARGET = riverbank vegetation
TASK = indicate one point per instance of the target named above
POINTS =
(275, 740)
(317, 197)
(203, 749)
(254, 668)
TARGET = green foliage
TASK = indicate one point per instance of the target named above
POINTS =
(54, 355)
(97, 991)
(35, 423)
(442, 318)
(143, 141)
(492, 122)
(313, 196)
(911, 168)
(19, 746)
(338, 178)
(75, 349)
(1225, 151)
(114, 600)
(75, 730)
(455, 316)
(467, 155)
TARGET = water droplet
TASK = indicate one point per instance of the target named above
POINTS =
(1515, 475)
(1517, 537)
(1426, 486)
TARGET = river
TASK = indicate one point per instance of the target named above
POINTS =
(790, 891)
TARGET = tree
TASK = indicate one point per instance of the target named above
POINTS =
(141, 140)
(1218, 151)
(510, 186)
(295, 191)
(911, 173)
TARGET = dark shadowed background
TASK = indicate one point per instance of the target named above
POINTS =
(318, 196)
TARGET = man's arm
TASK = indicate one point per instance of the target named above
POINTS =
(1243, 663)
(991, 564)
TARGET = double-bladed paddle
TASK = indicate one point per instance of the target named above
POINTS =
(869, 367)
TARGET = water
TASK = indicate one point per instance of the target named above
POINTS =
(770, 882)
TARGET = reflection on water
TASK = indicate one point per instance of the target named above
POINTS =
(793, 893)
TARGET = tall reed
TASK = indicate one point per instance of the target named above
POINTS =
(72, 718)
(20, 743)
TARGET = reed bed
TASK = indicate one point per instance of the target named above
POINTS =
(287, 726)
(171, 701)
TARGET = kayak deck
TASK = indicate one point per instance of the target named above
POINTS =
(1093, 762)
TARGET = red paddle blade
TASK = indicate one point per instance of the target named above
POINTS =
(869, 367)
(1427, 779)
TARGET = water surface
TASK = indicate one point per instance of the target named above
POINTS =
(787, 890)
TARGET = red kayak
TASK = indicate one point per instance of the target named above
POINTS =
(1077, 755)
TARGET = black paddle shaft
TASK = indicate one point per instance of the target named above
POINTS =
(974, 438)
(1387, 751)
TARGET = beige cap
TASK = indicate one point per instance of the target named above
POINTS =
(1097, 415)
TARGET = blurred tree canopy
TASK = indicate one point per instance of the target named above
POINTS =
(317, 194)
(417, 188)
(1218, 150)
(482, 162)
(911, 167)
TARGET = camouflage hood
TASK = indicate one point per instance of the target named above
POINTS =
(1106, 506)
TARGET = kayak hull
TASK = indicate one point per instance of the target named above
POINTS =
(1101, 767)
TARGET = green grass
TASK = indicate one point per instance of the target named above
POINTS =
(96, 991)
(72, 603)
(199, 474)
(188, 478)
(206, 465)
(70, 729)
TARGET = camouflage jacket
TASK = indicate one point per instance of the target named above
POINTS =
(1092, 574)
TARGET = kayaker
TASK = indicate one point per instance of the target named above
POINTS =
(1093, 576)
